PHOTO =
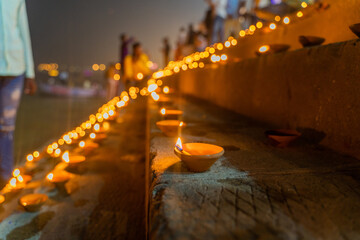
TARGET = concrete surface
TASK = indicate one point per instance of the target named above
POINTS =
(255, 191)
(108, 194)
(314, 89)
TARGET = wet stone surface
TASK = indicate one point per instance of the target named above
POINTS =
(107, 199)
(255, 191)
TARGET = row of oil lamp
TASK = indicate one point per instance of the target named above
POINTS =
(85, 138)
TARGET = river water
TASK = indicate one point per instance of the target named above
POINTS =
(43, 118)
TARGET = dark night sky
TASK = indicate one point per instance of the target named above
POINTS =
(83, 32)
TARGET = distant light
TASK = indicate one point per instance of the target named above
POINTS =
(102, 67)
(272, 26)
(140, 76)
(117, 77)
(277, 18)
(95, 67)
(224, 57)
(286, 20)
(227, 44)
(118, 66)
(252, 28)
(233, 42)
(259, 24)
(219, 46)
(299, 14)
(304, 5)
(242, 33)
(264, 48)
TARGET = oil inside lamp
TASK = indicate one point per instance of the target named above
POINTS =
(198, 157)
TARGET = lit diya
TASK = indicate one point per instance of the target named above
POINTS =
(72, 160)
(309, 41)
(171, 113)
(33, 202)
(272, 48)
(98, 137)
(88, 145)
(198, 157)
(282, 137)
(170, 127)
(59, 179)
(101, 129)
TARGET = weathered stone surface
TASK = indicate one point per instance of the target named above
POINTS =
(255, 191)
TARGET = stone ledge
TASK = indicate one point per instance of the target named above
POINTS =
(255, 190)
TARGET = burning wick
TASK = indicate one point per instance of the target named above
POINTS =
(65, 157)
(97, 127)
(163, 111)
(180, 125)
(178, 145)
(82, 144)
(92, 135)
(50, 176)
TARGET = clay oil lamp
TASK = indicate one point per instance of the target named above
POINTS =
(355, 28)
(87, 146)
(282, 137)
(272, 48)
(170, 127)
(309, 41)
(73, 160)
(198, 157)
(33, 202)
(171, 114)
(59, 179)
(98, 138)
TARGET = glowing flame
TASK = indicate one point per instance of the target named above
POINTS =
(82, 144)
(264, 48)
(181, 124)
(58, 152)
(120, 104)
(29, 157)
(299, 14)
(97, 127)
(272, 26)
(304, 5)
(92, 135)
(105, 115)
(16, 172)
(140, 76)
(20, 178)
(178, 144)
(111, 113)
(286, 20)
(152, 87)
(50, 176)
(163, 111)
(155, 96)
(166, 90)
(12, 182)
(224, 57)
(65, 157)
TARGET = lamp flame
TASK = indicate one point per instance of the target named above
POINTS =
(82, 144)
(20, 178)
(16, 172)
(12, 182)
(50, 176)
(65, 157)
(178, 144)
(264, 48)
(92, 135)
(181, 124)
(163, 111)
(97, 127)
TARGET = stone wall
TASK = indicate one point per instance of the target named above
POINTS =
(316, 89)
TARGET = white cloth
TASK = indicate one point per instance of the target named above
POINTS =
(15, 47)
(220, 8)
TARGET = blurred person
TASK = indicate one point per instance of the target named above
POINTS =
(178, 55)
(16, 70)
(111, 83)
(208, 22)
(166, 51)
(125, 41)
(220, 14)
(182, 36)
(200, 42)
(191, 35)
(136, 65)
(232, 25)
